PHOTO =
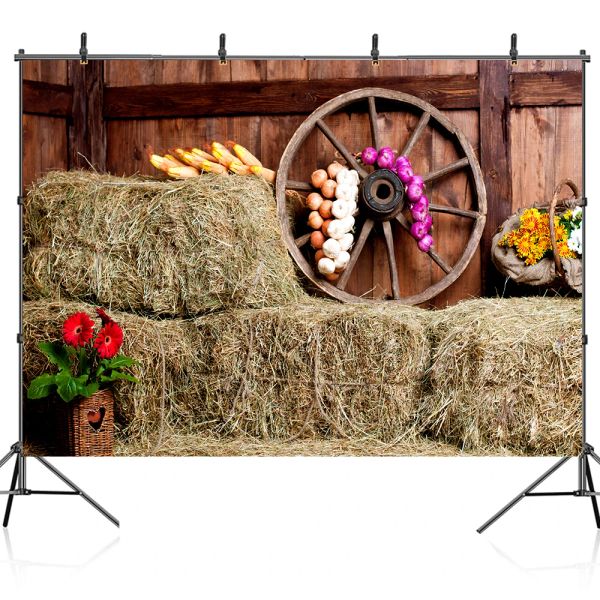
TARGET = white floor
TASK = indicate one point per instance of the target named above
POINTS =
(298, 528)
(292, 528)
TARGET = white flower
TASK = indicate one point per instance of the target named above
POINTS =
(575, 240)
(577, 212)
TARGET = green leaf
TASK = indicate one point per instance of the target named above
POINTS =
(69, 387)
(41, 386)
(90, 389)
(57, 354)
(115, 375)
(119, 361)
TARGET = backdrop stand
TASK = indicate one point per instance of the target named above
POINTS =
(18, 486)
(585, 483)
(582, 491)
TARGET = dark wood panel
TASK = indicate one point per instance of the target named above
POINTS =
(494, 127)
(44, 146)
(275, 97)
(87, 129)
(546, 88)
(51, 99)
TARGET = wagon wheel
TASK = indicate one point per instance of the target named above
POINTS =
(393, 195)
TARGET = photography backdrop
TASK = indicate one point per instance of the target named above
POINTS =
(524, 124)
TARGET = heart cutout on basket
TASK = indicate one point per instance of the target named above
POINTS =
(96, 418)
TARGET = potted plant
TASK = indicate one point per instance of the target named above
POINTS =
(86, 364)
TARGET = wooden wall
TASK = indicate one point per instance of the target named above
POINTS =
(524, 122)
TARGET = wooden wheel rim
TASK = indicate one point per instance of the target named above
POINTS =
(333, 106)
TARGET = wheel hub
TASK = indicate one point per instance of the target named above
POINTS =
(382, 194)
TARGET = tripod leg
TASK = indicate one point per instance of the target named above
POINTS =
(11, 497)
(588, 473)
(522, 495)
(77, 489)
(6, 458)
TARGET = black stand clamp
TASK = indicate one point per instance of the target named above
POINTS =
(513, 49)
(375, 50)
(83, 51)
(222, 51)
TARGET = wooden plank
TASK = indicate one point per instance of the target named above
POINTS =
(44, 146)
(51, 99)
(87, 129)
(494, 128)
(548, 88)
(533, 137)
(47, 71)
(453, 218)
(274, 97)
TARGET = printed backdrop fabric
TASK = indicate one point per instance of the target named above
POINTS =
(283, 257)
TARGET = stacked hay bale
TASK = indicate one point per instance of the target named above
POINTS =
(506, 376)
(317, 369)
(174, 248)
(236, 358)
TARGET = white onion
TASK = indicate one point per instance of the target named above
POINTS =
(331, 248)
(326, 266)
(352, 208)
(344, 191)
(344, 176)
(341, 262)
(340, 209)
(347, 223)
(354, 177)
(335, 229)
(346, 242)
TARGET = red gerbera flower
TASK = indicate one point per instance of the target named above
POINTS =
(109, 340)
(78, 329)
(105, 318)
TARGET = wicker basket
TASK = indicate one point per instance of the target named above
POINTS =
(90, 425)
(547, 270)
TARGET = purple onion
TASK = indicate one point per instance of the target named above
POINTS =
(399, 163)
(425, 243)
(418, 230)
(385, 158)
(368, 156)
(417, 179)
(414, 191)
(419, 211)
(405, 173)
(428, 222)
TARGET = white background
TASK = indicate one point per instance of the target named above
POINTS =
(298, 527)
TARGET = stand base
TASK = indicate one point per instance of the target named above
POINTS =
(18, 485)
(583, 490)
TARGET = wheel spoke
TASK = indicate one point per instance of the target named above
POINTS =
(389, 242)
(439, 261)
(302, 240)
(355, 253)
(340, 148)
(299, 186)
(432, 253)
(451, 210)
(455, 166)
(373, 121)
(416, 134)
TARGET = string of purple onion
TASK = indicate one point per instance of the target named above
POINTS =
(422, 223)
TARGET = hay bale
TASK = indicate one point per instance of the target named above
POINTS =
(318, 369)
(164, 247)
(506, 374)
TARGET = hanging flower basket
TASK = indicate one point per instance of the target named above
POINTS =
(537, 246)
